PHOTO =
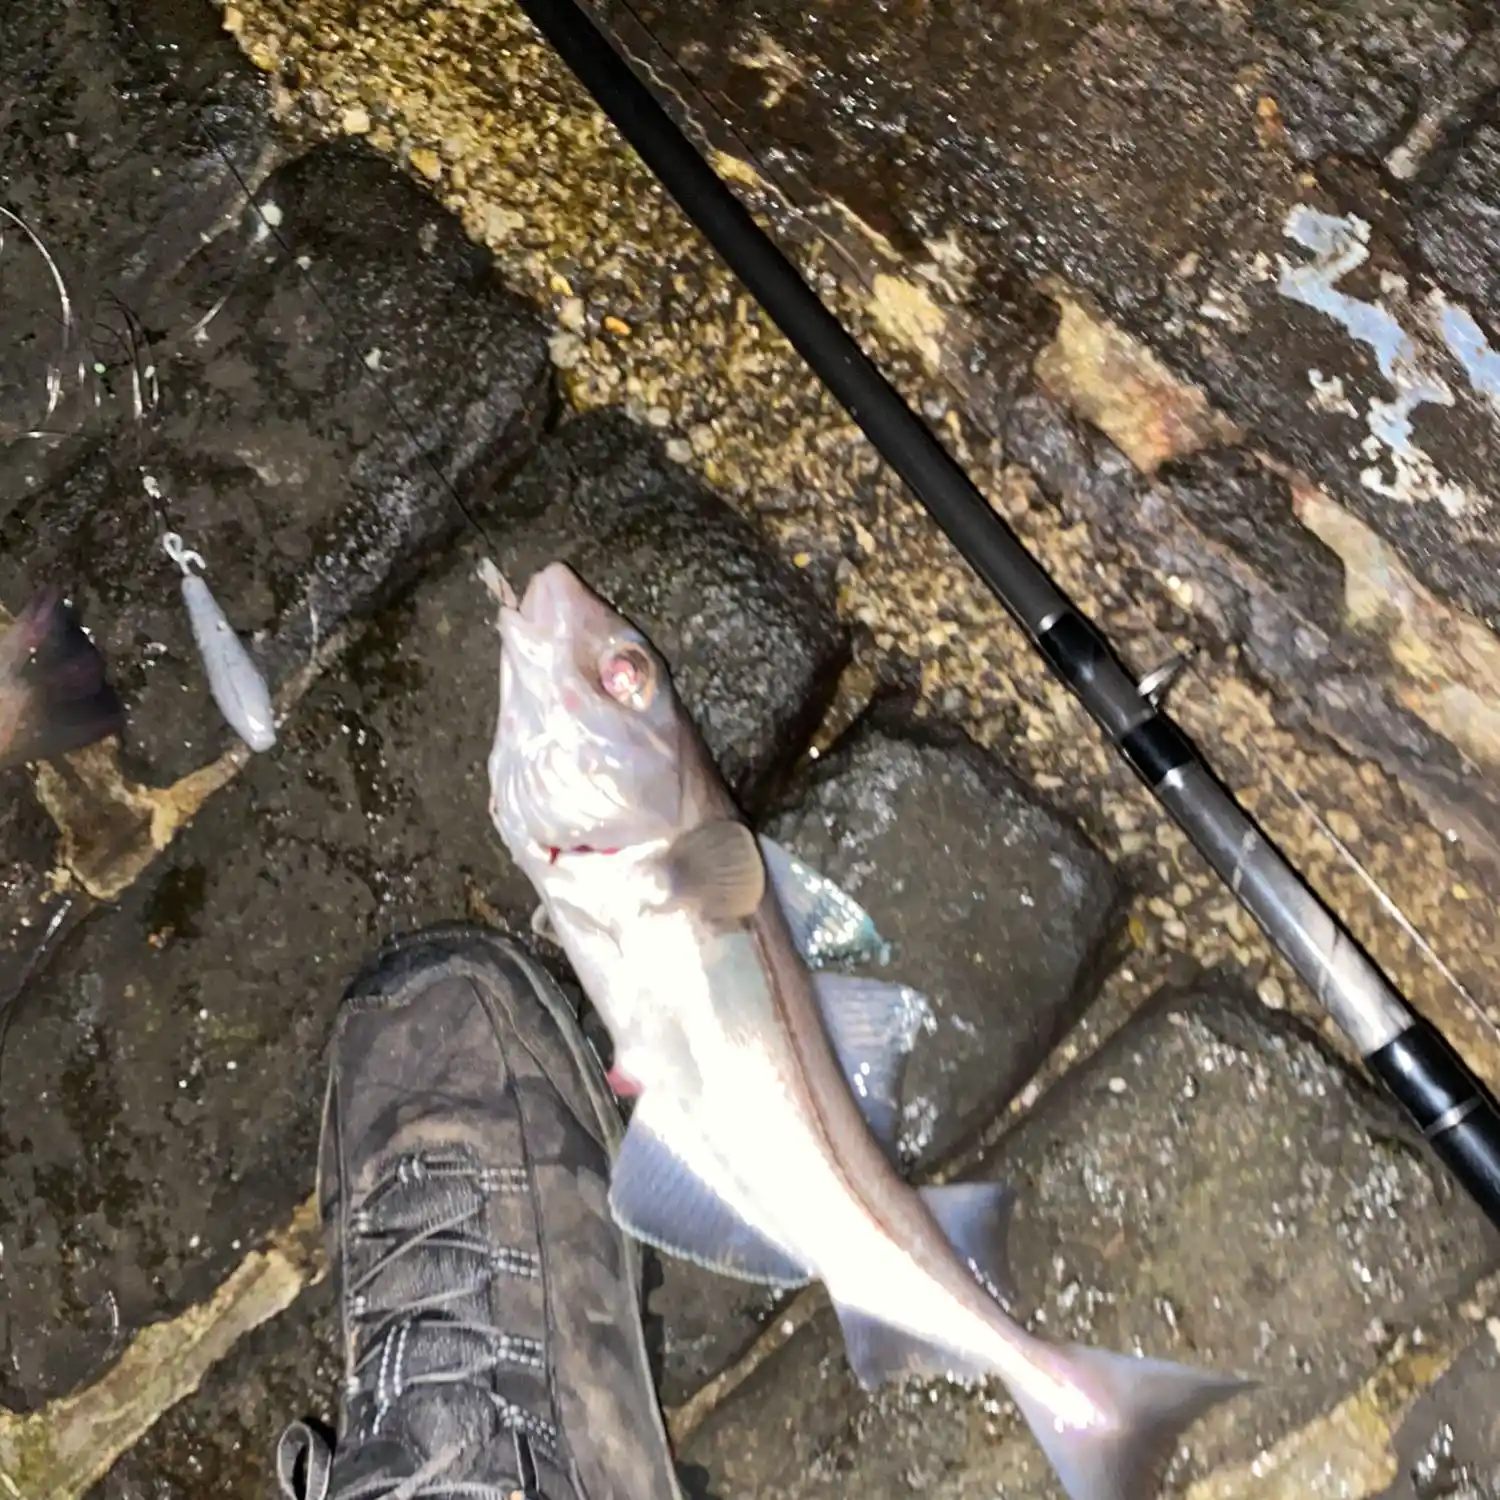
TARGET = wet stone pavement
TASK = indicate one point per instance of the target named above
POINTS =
(1206, 1110)
(346, 404)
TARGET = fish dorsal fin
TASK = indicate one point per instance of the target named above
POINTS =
(975, 1217)
(827, 924)
(656, 1196)
(716, 870)
(872, 1025)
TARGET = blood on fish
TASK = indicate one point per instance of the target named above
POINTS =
(622, 1085)
(553, 853)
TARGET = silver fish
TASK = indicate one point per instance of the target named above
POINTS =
(761, 1144)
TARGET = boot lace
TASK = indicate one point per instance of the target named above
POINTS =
(422, 1226)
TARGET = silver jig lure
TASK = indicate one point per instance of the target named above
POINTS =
(233, 678)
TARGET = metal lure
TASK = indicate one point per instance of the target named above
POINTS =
(233, 678)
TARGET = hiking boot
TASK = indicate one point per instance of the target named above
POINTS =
(491, 1309)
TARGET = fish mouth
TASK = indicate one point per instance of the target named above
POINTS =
(553, 597)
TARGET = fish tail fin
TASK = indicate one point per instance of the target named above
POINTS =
(1144, 1405)
(63, 700)
(1139, 1408)
(1148, 1405)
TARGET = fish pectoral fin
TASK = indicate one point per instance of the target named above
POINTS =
(879, 1352)
(827, 924)
(655, 1196)
(975, 1217)
(1146, 1404)
(716, 870)
(63, 698)
(872, 1026)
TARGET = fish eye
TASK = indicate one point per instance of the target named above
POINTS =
(628, 675)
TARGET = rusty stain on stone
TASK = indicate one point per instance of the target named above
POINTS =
(1119, 385)
(735, 169)
(881, 243)
(906, 312)
(776, 65)
(66, 1447)
(1349, 1452)
(112, 828)
(1448, 662)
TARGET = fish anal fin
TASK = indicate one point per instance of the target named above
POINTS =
(976, 1217)
(657, 1197)
(872, 1026)
(879, 1352)
(827, 924)
(1146, 1407)
(716, 870)
(64, 700)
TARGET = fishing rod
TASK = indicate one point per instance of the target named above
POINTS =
(1413, 1059)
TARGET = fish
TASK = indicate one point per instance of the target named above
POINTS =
(762, 1138)
(54, 691)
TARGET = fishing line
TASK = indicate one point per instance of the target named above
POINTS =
(1391, 907)
(1432, 1084)
(268, 229)
(89, 375)
(55, 382)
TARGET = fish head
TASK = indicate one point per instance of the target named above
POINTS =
(592, 747)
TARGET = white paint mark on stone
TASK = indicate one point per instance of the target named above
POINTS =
(1469, 345)
(1340, 244)
(268, 217)
(1329, 394)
